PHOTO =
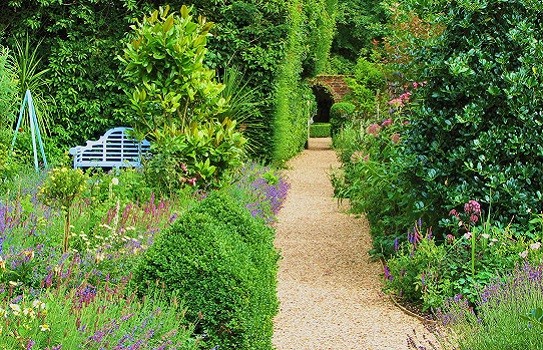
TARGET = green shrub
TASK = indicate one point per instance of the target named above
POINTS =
(340, 113)
(221, 261)
(372, 153)
(477, 134)
(203, 156)
(365, 86)
(171, 86)
(319, 130)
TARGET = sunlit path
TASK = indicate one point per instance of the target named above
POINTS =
(328, 287)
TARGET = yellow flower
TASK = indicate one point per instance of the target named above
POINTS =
(45, 327)
(2, 263)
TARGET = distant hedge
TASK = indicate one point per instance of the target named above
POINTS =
(319, 130)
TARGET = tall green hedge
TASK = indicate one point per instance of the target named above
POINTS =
(311, 29)
(477, 133)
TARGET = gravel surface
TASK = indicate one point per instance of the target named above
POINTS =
(330, 291)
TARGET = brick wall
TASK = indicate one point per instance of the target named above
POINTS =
(335, 83)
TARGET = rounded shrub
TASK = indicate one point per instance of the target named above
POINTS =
(221, 261)
(340, 113)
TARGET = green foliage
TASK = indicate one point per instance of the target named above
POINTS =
(319, 130)
(366, 85)
(222, 262)
(319, 28)
(165, 65)
(358, 23)
(79, 42)
(202, 155)
(477, 133)
(508, 312)
(177, 103)
(311, 27)
(61, 187)
(427, 273)
(31, 77)
(8, 89)
(91, 317)
(244, 107)
(372, 153)
(340, 114)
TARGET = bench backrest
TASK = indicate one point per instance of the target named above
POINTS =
(113, 150)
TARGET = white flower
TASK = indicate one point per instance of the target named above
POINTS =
(523, 254)
(485, 235)
(467, 235)
(535, 246)
(115, 181)
(16, 308)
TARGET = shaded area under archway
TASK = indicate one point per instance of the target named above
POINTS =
(325, 100)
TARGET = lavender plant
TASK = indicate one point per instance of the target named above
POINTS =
(498, 318)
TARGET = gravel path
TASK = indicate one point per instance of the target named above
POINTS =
(330, 291)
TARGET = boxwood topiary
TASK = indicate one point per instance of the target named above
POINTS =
(221, 261)
(340, 113)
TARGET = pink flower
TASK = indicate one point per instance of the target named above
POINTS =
(450, 238)
(453, 212)
(395, 138)
(386, 122)
(473, 218)
(405, 97)
(396, 102)
(192, 181)
(472, 207)
(415, 84)
(373, 129)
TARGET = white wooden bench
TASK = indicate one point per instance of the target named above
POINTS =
(114, 149)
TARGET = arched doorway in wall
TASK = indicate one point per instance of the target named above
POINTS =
(325, 100)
